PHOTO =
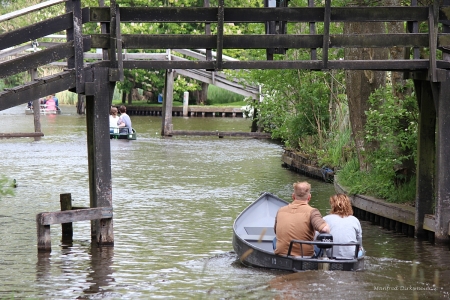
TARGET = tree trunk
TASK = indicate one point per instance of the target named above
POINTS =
(360, 84)
(130, 97)
(202, 95)
(135, 95)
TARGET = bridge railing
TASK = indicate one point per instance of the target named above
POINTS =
(323, 41)
(79, 41)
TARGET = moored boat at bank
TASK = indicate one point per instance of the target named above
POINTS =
(253, 236)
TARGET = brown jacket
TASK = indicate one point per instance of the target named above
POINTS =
(297, 221)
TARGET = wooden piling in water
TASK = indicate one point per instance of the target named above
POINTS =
(67, 228)
(442, 208)
(44, 242)
(45, 219)
(167, 125)
(426, 149)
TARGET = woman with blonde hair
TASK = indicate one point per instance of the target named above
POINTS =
(344, 227)
(113, 119)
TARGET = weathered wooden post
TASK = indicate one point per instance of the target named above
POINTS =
(43, 234)
(167, 126)
(442, 214)
(100, 92)
(67, 228)
(75, 34)
(426, 150)
(36, 108)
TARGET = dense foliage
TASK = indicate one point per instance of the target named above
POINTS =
(394, 126)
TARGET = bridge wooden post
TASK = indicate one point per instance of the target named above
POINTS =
(36, 107)
(98, 100)
(426, 150)
(442, 214)
(167, 125)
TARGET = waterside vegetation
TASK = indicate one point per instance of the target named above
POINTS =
(365, 129)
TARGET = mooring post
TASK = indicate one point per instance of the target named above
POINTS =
(43, 235)
(67, 228)
(185, 103)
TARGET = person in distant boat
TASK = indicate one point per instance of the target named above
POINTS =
(56, 101)
(50, 103)
(113, 119)
(344, 227)
(298, 221)
(124, 120)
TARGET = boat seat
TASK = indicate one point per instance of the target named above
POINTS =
(257, 237)
(258, 230)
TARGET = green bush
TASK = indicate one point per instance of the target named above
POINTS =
(393, 126)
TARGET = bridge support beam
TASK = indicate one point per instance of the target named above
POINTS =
(442, 214)
(99, 152)
(167, 125)
(426, 150)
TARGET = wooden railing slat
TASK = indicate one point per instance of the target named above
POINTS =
(60, 217)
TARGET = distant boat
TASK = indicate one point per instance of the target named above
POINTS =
(43, 110)
(253, 236)
(122, 133)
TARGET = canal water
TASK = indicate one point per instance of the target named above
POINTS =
(175, 200)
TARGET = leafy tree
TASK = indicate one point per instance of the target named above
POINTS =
(385, 125)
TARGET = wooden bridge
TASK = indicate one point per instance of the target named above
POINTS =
(96, 81)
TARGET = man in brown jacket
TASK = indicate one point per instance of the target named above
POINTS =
(298, 221)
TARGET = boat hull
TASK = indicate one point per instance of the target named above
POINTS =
(29, 111)
(114, 133)
(253, 241)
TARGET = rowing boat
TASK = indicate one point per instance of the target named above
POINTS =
(43, 110)
(122, 133)
(253, 236)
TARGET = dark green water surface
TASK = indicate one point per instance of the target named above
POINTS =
(175, 200)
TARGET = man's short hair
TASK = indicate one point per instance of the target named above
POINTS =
(122, 109)
(302, 190)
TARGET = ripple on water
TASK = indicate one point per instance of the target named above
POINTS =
(174, 202)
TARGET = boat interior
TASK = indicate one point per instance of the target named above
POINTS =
(260, 237)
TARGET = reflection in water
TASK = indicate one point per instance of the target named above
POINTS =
(98, 278)
(43, 267)
(101, 274)
(175, 201)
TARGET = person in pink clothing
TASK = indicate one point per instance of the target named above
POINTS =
(50, 103)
